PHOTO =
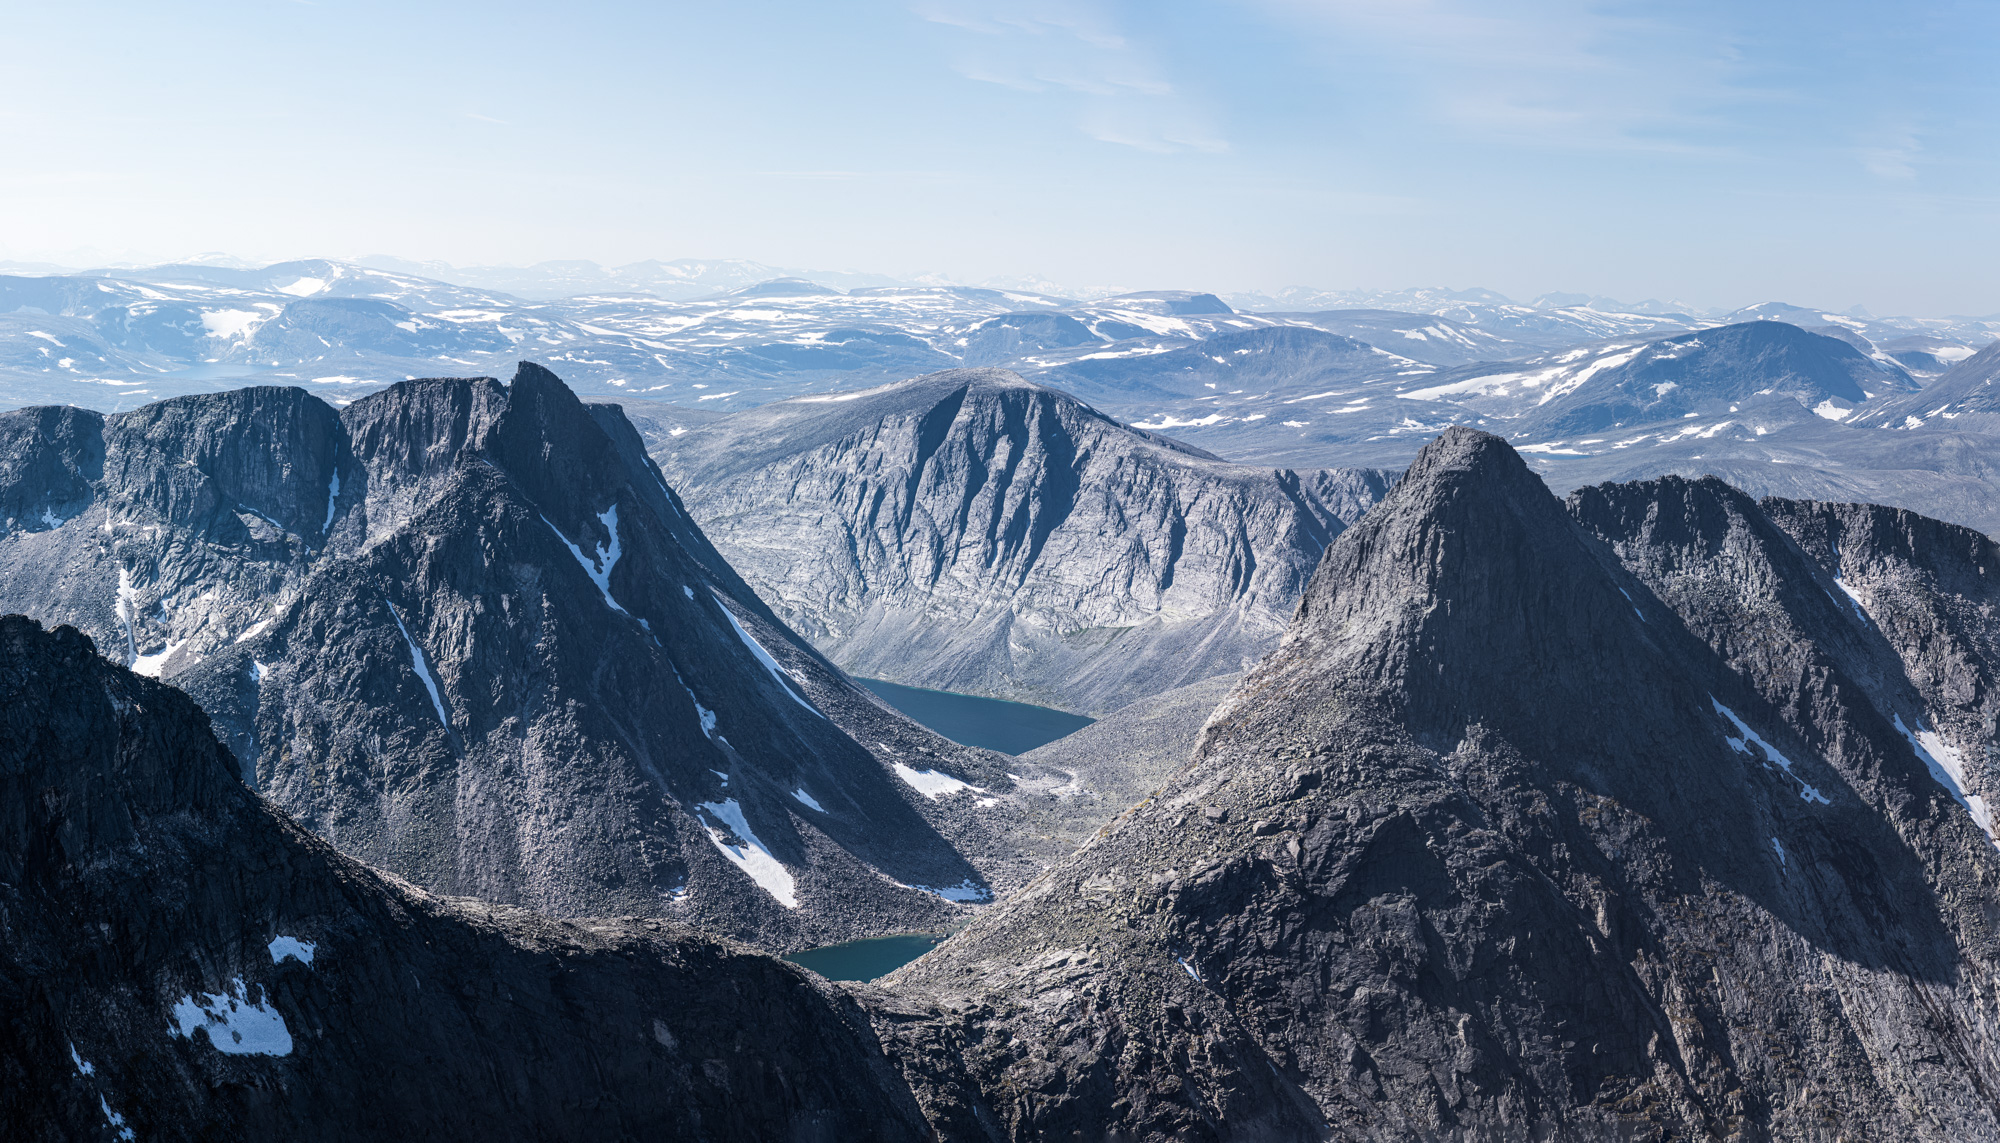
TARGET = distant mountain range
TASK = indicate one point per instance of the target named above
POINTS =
(1586, 389)
(735, 334)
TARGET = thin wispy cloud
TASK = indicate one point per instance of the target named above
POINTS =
(1891, 154)
(1118, 90)
(1564, 73)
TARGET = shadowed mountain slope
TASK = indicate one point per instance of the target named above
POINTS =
(1541, 823)
(182, 962)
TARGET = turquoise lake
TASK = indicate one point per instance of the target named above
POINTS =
(866, 960)
(994, 724)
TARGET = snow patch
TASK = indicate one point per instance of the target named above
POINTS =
(807, 800)
(823, 398)
(1830, 410)
(706, 715)
(304, 287)
(1635, 607)
(332, 494)
(1168, 421)
(83, 1066)
(749, 854)
(231, 324)
(127, 606)
(967, 892)
(235, 1026)
(151, 665)
(423, 667)
(1947, 765)
(115, 1120)
(599, 569)
(931, 783)
(1771, 755)
(757, 649)
(1852, 599)
(301, 951)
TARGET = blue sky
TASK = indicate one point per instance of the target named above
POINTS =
(1716, 153)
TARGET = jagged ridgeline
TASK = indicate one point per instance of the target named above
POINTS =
(1659, 814)
(972, 531)
(465, 632)
(179, 961)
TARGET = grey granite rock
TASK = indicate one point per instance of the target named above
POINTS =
(1546, 821)
(465, 631)
(970, 531)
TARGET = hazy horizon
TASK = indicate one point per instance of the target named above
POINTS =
(1833, 155)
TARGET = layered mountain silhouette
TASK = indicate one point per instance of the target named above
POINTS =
(1715, 371)
(180, 961)
(464, 631)
(1659, 812)
(1964, 399)
(971, 531)
(1644, 815)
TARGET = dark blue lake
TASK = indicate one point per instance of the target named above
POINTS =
(1009, 727)
(866, 960)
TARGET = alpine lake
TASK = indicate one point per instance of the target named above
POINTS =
(969, 720)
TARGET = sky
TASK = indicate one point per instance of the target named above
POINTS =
(1715, 153)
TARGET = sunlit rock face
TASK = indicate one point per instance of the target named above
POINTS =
(1614, 818)
(973, 532)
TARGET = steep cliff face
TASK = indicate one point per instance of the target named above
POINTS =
(1541, 823)
(1924, 597)
(165, 531)
(182, 962)
(969, 531)
(464, 631)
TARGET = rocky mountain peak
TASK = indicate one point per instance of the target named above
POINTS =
(1470, 550)
(268, 452)
(1458, 855)
(465, 631)
(1084, 562)
(49, 458)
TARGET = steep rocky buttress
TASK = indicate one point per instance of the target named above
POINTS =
(1585, 822)
(179, 961)
(465, 631)
(971, 531)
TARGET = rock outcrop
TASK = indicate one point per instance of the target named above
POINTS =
(1603, 820)
(180, 961)
(970, 531)
(464, 631)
